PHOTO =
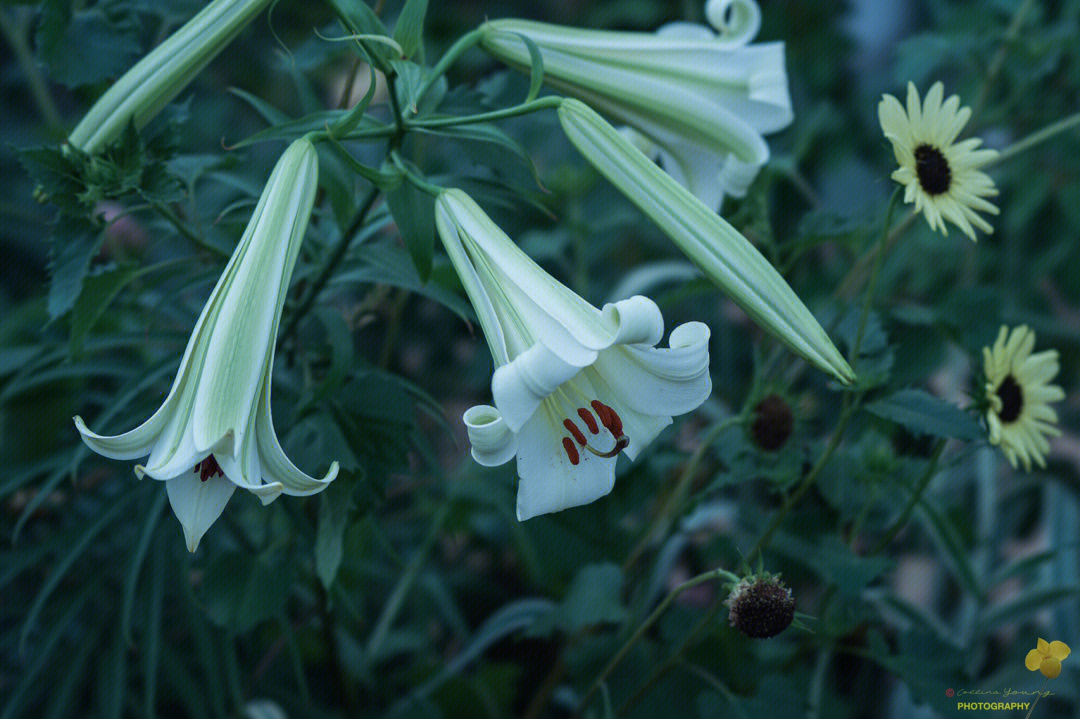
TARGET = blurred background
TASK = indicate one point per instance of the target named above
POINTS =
(409, 588)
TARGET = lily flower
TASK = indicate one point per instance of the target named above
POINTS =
(717, 248)
(574, 386)
(702, 99)
(159, 77)
(214, 432)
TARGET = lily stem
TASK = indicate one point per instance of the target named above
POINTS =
(39, 88)
(645, 626)
(544, 103)
(331, 264)
(462, 45)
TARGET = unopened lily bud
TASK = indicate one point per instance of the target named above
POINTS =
(163, 74)
(725, 256)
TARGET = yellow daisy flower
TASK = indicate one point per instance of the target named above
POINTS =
(1019, 393)
(941, 176)
(1047, 658)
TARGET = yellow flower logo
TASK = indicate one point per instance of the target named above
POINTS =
(1047, 657)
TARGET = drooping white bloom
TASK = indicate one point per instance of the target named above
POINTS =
(702, 99)
(574, 386)
(214, 432)
(725, 256)
(159, 77)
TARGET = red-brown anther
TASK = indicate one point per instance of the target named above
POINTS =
(571, 450)
(573, 429)
(589, 420)
(209, 468)
(608, 417)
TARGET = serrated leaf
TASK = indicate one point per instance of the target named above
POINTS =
(87, 46)
(414, 213)
(409, 31)
(99, 289)
(334, 513)
(74, 244)
(922, 413)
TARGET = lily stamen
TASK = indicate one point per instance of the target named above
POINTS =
(209, 468)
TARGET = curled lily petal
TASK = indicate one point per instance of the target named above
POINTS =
(493, 443)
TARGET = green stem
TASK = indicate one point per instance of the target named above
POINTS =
(872, 286)
(1037, 698)
(645, 626)
(39, 89)
(916, 496)
(544, 103)
(998, 61)
(1039, 136)
(664, 518)
(331, 264)
(419, 182)
(459, 48)
(397, 596)
(196, 239)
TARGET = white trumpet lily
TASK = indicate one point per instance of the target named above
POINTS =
(702, 99)
(214, 432)
(574, 386)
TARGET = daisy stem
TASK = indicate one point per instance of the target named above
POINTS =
(1037, 137)
(1037, 698)
(879, 256)
(916, 496)
(644, 627)
(998, 61)
(673, 506)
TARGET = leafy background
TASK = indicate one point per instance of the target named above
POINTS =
(409, 588)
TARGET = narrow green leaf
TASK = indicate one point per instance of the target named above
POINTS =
(536, 67)
(921, 413)
(410, 82)
(385, 180)
(352, 118)
(409, 31)
(58, 572)
(333, 520)
(266, 111)
(1024, 607)
(137, 557)
(483, 132)
(952, 549)
(414, 214)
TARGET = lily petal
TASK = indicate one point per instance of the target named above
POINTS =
(197, 504)
(491, 440)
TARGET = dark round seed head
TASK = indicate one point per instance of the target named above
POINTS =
(762, 608)
(1012, 399)
(933, 170)
(773, 422)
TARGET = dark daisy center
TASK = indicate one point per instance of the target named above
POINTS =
(932, 169)
(1012, 399)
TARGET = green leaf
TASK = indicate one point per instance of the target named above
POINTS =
(483, 132)
(536, 67)
(410, 81)
(359, 19)
(594, 597)
(242, 590)
(87, 46)
(414, 214)
(99, 289)
(74, 243)
(353, 117)
(921, 413)
(409, 31)
(333, 520)
(385, 180)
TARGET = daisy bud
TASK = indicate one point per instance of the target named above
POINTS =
(760, 606)
(163, 74)
(773, 422)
